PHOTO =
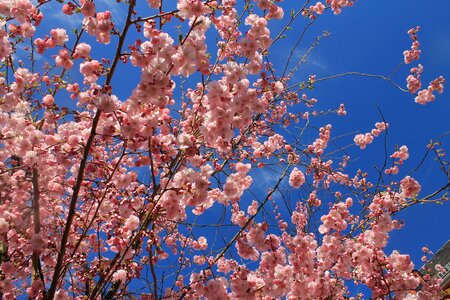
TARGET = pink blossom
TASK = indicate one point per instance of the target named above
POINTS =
(337, 5)
(400, 262)
(48, 100)
(341, 110)
(245, 250)
(90, 70)
(7, 268)
(410, 187)
(132, 222)
(402, 153)
(313, 200)
(320, 144)
(99, 26)
(202, 243)
(237, 183)
(21, 10)
(37, 242)
(119, 275)
(413, 81)
(414, 53)
(392, 170)
(40, 44)
(61, 295)
(278, 87)
(336, 218)
(437, 85)
(58, 37)
(82, 50)
(63, 59)
(27, 30)
(191, 8)
(5, 47)
(216, 289)
(424, 97)
(154, 3)
(88, 8)
(107, 103)
(411, 55)
(414, 84)
(4, 226)
(297, 178)
(362, 140)
(379, 127)
(318, 8)
(68, 8)
(5, 8)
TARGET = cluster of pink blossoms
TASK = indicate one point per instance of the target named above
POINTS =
(426, 95)
(58, 37)
(414, 84)
(191, 8)
(321, 143)
(238, 182)
(413, 80)
(5, 47)
(338, 5)
(401, 154)
(335, 5)
(20, 10)
(341, 111)
(87, 8)
(297, 178)
(410, 187)
(414, 53)
(99, 26)
(362, 140)
(317, 8)
(25, 13)
(26, 30)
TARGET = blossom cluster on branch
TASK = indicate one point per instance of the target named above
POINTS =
(143, 189)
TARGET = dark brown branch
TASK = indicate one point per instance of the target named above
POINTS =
(76, 190)
(36, 261)
(59, 263)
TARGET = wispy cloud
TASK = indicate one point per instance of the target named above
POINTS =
(265, 179)
(311, 59)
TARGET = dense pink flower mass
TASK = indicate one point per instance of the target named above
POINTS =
(410, 187)
(156, 151)
(297, 178)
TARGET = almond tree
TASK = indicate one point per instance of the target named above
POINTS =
(130, 149)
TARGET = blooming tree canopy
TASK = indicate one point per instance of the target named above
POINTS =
(145, 190)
